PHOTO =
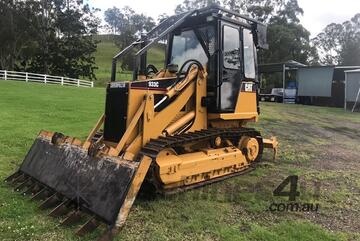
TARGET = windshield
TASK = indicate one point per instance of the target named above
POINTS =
(187, 46)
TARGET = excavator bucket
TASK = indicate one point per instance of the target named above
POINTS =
(95, 185)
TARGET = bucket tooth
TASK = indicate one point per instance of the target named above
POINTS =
(23, 184)
(40, 194)
(73, 217)
(50, 201)
(13, 176)
(60, 209)
(30, 189)
(19, 178)
(88, 227)
(36, 189)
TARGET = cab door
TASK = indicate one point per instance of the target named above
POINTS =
(231, 73)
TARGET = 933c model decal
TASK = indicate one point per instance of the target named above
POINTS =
(153, 84)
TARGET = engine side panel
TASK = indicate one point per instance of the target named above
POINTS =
(116, 111)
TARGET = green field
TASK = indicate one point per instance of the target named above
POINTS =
(106, 50)
(320, 145)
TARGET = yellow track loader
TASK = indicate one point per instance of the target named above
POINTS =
(167, 130)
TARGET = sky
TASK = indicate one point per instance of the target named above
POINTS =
(317, 13)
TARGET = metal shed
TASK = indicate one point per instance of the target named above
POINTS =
(316, 85)
(323, 85)
(283, 68)
(352, 90)
(315, 81)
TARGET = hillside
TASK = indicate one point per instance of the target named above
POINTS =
(107, 49)
(322, 149)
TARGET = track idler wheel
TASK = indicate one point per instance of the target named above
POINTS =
(250, 147)
(216, 142)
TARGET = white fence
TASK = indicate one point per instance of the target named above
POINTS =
(43, 78)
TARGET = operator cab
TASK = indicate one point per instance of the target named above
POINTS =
(225, 49)
(222, 41)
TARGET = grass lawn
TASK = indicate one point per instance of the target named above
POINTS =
(320, 145)
(106, 50)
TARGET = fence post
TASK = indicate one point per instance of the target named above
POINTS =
(62, 80)
(45, 79)
(78, 83)
(26, 77)
(5, 75)
(92, 84)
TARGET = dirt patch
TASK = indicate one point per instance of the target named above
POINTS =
(336, 220)
(334, 151)
(331, 147)
(336, 157)
(344, 130)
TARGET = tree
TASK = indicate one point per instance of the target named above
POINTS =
(188, 5)
(288, 41)
(261, 10)
(48, 36)
(287, 38)
(113, 17)
(131, 26)
(329, 43)
(339, 44)
(16, 32)
(76, 24)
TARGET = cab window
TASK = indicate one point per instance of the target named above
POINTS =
(231, 48)
(187, 46)
(231, 73)
(249, 55)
